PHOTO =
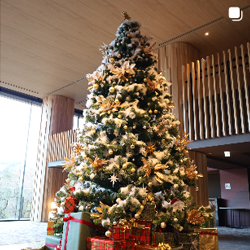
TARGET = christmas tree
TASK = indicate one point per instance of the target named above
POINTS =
(130, 161)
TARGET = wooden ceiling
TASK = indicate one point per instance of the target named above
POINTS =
(48, 46)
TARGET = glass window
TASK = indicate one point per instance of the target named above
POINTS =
(19, 130)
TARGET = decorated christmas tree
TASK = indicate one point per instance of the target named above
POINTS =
(130, 162)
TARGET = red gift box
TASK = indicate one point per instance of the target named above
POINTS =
(104, 243)
(119, 233)
(70, 204)
(141, 232)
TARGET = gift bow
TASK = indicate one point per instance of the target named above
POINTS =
(132, 223)
(163, 246)
(195, 244)
(67, 218)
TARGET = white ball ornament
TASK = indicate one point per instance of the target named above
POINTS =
(111, 89)
(137, 216)
(108, 233)
(163, 225)
(111, 151)
(175, 220)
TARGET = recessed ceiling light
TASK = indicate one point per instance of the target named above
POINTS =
(227, 153)
(206, 34)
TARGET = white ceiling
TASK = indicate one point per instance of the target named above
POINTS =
(48, 46)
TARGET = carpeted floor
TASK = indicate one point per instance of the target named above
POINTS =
(31, 235)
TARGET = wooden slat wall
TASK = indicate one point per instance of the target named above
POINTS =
(58, 149)
(217, 95)
(53, 121)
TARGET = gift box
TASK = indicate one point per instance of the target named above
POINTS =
(51, 242)
(208, 238)
(164, 237)
(119, 233)
(159, 247)
(190, 241)
(70, 204)
(50, 229)
(77, 227)
(141, 232)
(104, 243)
(148, 212)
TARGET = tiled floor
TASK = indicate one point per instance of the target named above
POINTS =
(24, 234)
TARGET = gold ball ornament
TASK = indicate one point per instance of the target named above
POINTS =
(163, 140)
(125, 127)
(150, 184)
(141, 207)
(68, 180)
(144, 127)
(114, 223)
(145, 79)
(111, 60)
(119, 56)
(132, 146)
(128, 35)
(133, 170)
(80, 178)
(96, 86)
(108, 233)
(111, 151)
(163, 225)
(134, 127)
(124, 165)
(137, 216)
(117, 101)
(111, 89)
(150, 111)
(119, 116)
(176, 186)
(175, 220)
(118, 200)
(140, 178)
(144, 202)
(155, 111)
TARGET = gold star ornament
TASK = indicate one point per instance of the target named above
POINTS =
(126, 16)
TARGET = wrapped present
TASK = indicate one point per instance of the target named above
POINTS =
(161, 246)
(190, 241)
(77, 227)
(148, 212)
(164, 237)
(70, 204)
(141, 232)
(50, 229)
(208, 238)
(104, 243)
(119, 232)
(52, 242)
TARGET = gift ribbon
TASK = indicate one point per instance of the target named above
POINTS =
(70, 218)
(50, 244)
(50, 229)
(207, 233)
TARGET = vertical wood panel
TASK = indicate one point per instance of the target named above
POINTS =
(229, 117)
(245, 81)
(201, 127)
(190, 119)
(233, 94)
(242, 119)
(194, 102)
(204, 98)
(217, 124)
(211, 113)
(184, 99)
(221, 97)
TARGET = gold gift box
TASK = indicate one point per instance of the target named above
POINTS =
(49, 227)
(208, 238)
